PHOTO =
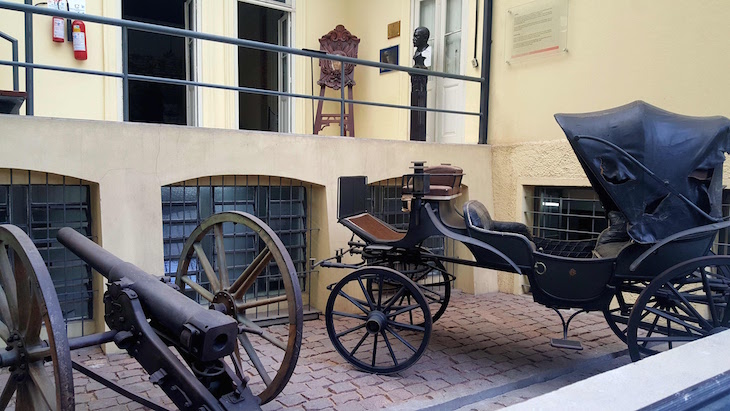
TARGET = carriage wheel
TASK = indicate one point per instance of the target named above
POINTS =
(436, 288)
(685, 303)
(222, 279)
(374, 331)
(617, 315)
(30, 313)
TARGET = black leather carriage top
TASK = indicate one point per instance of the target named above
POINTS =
(662, 170)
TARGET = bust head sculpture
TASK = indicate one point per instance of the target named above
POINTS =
(422, 56)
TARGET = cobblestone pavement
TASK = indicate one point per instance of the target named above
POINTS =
(487, 350)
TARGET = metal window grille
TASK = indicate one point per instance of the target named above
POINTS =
(565, 213)
(41, 204)
(284, 205)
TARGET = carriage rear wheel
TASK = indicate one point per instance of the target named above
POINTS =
(686, 302)
(432, 279)
(376, 330)
(245, 287)
(32, 329)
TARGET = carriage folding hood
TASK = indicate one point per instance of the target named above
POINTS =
(662, 170)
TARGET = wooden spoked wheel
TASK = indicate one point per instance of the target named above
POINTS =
(32, 329)
(685, 303)
(619, 310)
(377, 330)
(232, 261)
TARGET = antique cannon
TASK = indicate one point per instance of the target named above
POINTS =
(145, 317)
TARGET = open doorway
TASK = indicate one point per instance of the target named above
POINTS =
(263, 69)
(160, 55)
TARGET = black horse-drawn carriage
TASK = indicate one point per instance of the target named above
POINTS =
(653, 272)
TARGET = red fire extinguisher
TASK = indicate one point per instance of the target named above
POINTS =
(58, 29)
(79, 39)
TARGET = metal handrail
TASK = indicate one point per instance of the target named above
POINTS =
(125, 76)
(14, 44)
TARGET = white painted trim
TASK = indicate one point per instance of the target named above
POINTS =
(270, 5)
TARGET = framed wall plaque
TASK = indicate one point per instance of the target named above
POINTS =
(534, 29)
(390, 56)
(394, 29)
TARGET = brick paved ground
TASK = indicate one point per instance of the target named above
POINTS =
(481, 343)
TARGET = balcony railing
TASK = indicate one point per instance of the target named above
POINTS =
(29, 10)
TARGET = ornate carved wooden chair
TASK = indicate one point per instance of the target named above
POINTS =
(342, 43)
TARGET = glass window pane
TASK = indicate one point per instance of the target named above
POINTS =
(452, 54)
(453, 16)
(427, 15)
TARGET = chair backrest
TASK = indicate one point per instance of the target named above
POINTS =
(477, 215)
(479, 225)
(342, 43)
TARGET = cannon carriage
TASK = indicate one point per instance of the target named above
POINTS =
(149, 318)
(652, 272)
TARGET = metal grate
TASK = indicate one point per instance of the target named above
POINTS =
(41, 204)
(284, 205)
(565, 213)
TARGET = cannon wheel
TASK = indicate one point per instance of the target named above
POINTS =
(617, 315)
(28, 304)
(229, 294)
(437, 293)
(375, 334)
(686, 302)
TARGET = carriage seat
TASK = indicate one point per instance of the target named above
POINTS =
(372, 229)
(476, 215)
(614, 238)
(445, 182)
(514, 240)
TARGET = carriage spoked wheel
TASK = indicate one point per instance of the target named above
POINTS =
(686, 302)
(375, 330)
(619, 310)
(212, 271)
(431, 278)
(32, 329)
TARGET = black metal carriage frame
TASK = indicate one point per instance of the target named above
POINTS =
(654, 294)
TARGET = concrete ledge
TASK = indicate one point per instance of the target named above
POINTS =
(643, 383)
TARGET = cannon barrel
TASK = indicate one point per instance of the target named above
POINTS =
(207, 334)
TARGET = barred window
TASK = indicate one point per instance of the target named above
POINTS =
(41, 204)
(565, 213)
(281, 204)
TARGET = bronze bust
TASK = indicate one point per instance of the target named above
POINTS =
(422, 56)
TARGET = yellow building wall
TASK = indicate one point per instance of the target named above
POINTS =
(669, 53)
(58, 94)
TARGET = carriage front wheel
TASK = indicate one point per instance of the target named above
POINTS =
(378, 330)
(684, 303)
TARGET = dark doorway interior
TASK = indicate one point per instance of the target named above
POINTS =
(258, 68)
(158, 55)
